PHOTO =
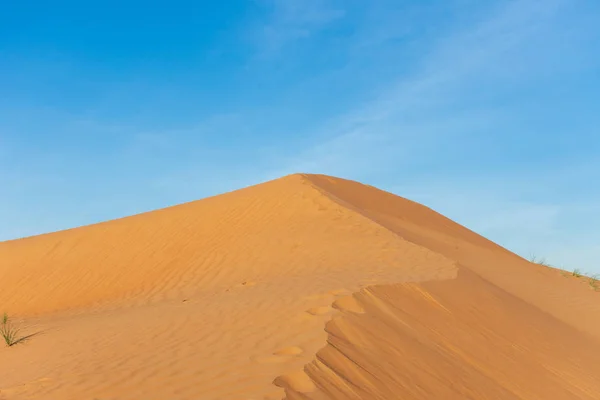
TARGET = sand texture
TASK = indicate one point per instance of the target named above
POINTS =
(305, 287)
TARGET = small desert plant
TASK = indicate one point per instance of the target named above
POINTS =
(593, 281)
(9, 333)
(577, 273)
(539, 261)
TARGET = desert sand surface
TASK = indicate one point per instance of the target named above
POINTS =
(305, 287)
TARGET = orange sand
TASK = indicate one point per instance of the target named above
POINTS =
(306, 287)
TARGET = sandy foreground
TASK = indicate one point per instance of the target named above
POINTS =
(305, 287)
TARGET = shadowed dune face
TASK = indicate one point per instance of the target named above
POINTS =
(456, 339)
(228, 298)
(405, 217)
(418, 224)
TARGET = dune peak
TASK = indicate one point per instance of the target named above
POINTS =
(304, 287)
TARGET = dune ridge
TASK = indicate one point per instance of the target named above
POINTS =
(227, 297)
(180, 249)
(433, 340)
(420, 225)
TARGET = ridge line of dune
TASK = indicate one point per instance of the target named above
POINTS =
(493, 262)
(283, 380)
(353, 305)
(330, 378)
(264, 268)
(357, 211)
(186, 248)
(311, 178)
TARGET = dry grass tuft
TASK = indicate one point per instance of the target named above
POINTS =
(8, 331)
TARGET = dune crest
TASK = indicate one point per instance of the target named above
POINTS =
(228, 297)
(455, 339)
(276, 229)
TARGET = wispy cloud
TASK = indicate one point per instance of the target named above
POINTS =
(515, 212)
(444, 121)
(477, 109)
(462, 59)
(290, 20)
(435, 108)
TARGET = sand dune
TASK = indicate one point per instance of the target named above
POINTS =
(306, 287)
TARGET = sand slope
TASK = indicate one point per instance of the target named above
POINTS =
(459, 339)
(228, 298)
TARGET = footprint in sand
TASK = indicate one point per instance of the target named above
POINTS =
(297, 381)
(328, 295)
(324, 310)
(289, 351)
(344, 301)
(348, 303)
(280, 356)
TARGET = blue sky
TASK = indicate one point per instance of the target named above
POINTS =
(488, 112)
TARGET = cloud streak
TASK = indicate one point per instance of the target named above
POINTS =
(430, 133)
(291, 20)
(483, 111)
